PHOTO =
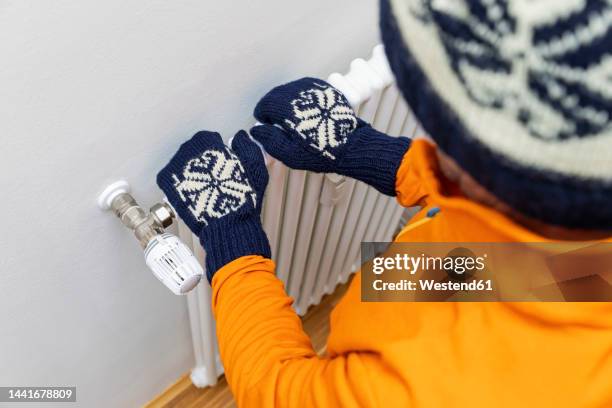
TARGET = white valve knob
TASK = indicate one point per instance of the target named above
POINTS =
(173, 263)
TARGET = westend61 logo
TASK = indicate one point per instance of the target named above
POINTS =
(460, 263)
(486, 272)
(452, 271)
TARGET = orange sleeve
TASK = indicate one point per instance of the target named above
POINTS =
(408, 180)
(268, 358)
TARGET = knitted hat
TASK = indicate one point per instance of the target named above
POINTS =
(518, 93)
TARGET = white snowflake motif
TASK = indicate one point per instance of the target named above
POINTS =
(546, 73)
(214, 185)
(323, 117)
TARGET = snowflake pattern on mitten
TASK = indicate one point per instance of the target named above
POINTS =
(323, 117)
(213, 185)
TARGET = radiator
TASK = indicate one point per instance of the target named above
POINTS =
(315, 222)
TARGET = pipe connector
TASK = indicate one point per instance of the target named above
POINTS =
(145, 225)
(170, 260)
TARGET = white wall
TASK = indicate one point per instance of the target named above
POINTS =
(91, 91)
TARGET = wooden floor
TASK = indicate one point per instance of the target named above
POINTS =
(183, 394)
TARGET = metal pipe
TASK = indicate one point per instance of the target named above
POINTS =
(145, 226)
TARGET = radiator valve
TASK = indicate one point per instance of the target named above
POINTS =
(170, 260)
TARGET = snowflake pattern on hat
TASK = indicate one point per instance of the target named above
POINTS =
(546, 74)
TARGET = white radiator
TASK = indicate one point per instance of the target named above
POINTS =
(315, 222)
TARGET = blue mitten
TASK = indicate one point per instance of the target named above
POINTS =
(217, 192)
(309, 125)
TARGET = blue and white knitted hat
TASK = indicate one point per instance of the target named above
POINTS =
(518, 92)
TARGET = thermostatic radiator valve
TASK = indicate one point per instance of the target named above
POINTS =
(170, 260)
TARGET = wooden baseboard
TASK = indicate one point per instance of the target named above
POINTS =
(172, 393)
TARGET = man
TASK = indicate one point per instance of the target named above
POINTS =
(516, 96)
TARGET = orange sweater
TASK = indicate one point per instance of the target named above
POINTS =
(414, 354)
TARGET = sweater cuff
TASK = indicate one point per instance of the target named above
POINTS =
(232, 238)
(374, 158)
